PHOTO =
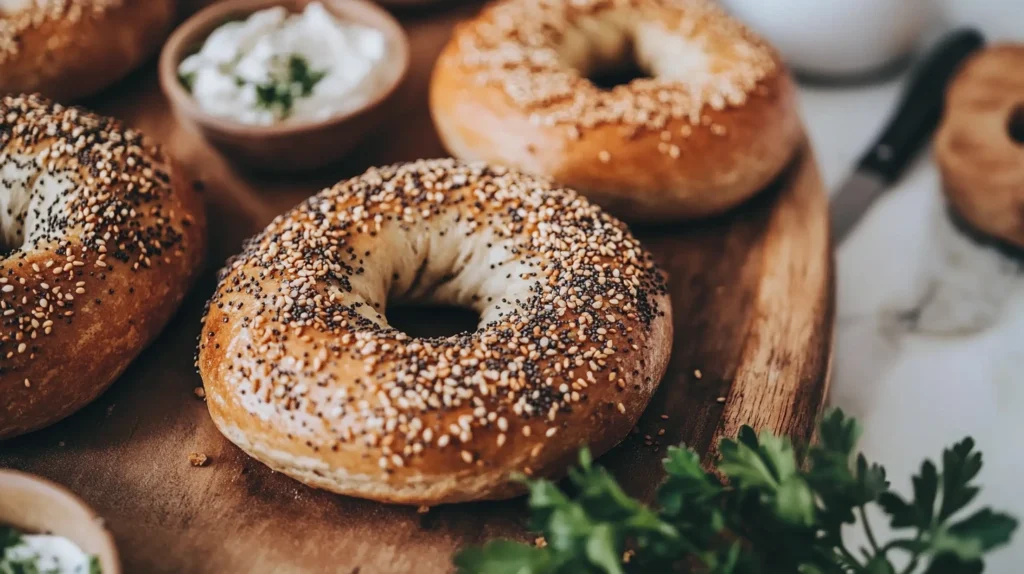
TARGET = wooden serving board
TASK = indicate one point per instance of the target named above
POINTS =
(753, 303)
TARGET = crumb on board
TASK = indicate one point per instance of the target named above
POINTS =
(423, 509)
(198, 459)
(199, 392)
(697, 374)
(720, 400)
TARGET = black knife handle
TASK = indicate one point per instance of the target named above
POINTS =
(920, 107)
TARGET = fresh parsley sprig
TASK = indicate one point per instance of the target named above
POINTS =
(769, 516)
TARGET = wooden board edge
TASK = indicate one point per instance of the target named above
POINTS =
(799, 358)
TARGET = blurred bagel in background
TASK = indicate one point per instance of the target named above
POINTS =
(69, 49)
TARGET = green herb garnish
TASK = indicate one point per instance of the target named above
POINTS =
(10, 537)
(302, 75)
(187, 79)
(770, 515)
(296, 79)
(274, 95)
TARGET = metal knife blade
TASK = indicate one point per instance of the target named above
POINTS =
(911, 126)
(852, 201)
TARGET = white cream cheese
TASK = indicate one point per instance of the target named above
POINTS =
(280, 66)
(49, 554)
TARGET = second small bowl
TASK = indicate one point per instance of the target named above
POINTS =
(35, 505)
(285, 147)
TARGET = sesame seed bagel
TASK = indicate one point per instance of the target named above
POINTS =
(100, 239)
(303, 372)
(715, 123)
(68, 49)
(980, 144)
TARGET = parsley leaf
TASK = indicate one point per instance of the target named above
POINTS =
(950, 564)
(975, 535)
(960, 465)
(504, 557)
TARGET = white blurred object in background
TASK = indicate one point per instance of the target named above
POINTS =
(841, 38)
(999, 20)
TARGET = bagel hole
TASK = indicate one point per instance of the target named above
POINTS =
(1015, 125)
(429, 321)
(612, 77)
(12, 238)
(618, 74)
(616, 69)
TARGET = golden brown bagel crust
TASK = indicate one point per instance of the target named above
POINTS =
(68, 49)
(511, 88)
(302, 371)
(982, 166)
(106, 260)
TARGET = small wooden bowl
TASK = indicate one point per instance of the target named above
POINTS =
(35, 505)
(291, 146)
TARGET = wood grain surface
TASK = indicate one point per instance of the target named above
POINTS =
(753, 303)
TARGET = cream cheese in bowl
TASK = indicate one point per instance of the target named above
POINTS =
(277, 66)
(43, 553)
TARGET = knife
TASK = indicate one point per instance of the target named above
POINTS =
(909, 128)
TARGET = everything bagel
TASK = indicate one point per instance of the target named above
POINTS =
(714, 124)
(68, 49)
(101, 238)
(303, 372)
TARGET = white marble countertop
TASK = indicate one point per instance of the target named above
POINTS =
(914, 393)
